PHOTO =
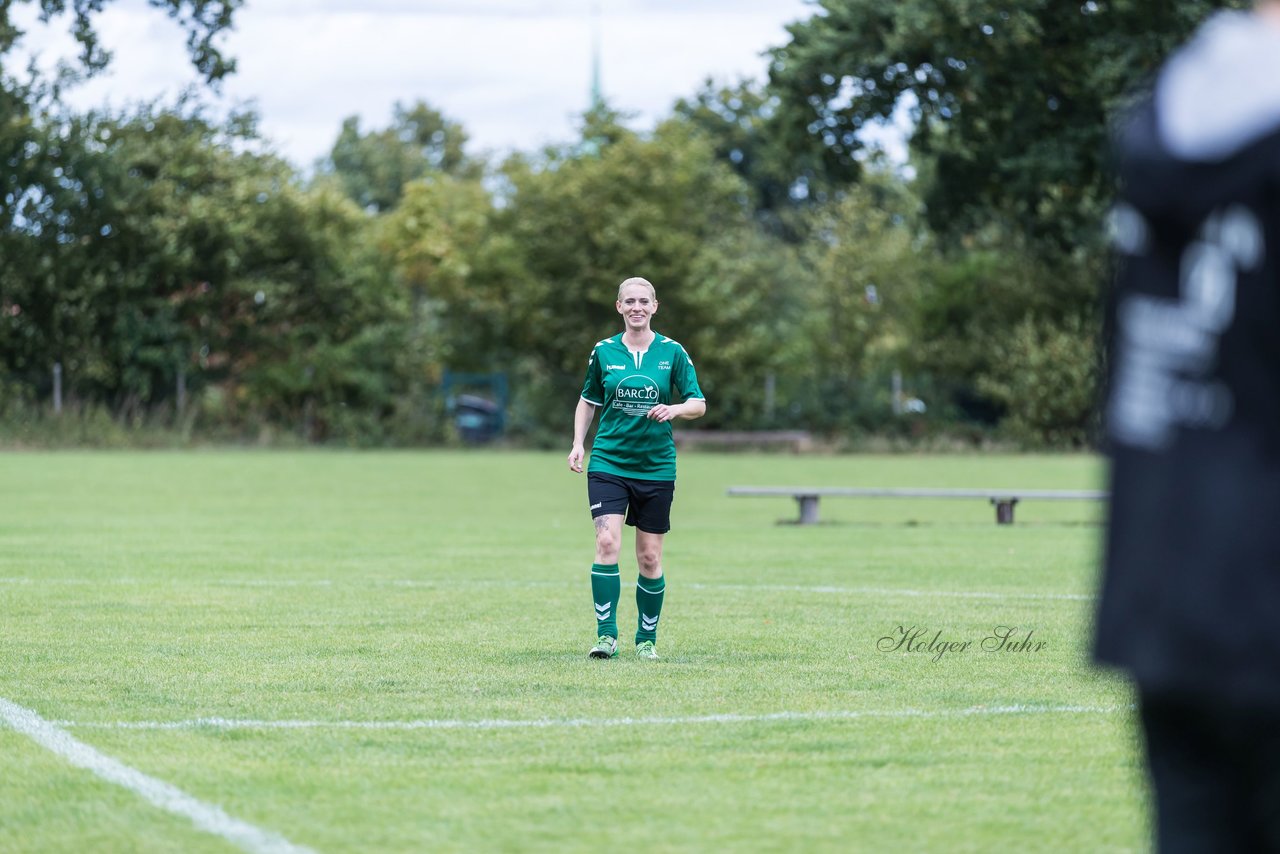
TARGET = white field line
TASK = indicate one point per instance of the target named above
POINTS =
(894, 591)
(207, 817)
(463, 583)
(583, 723)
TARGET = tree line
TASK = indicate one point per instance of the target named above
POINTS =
(185, 277)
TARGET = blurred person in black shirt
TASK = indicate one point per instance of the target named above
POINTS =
(1190, 603)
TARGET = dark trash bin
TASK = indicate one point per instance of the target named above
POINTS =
(478, 419)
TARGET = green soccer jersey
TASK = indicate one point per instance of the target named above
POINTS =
(625, 386)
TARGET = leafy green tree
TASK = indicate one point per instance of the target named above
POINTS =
(864, 278)
(1046, 378)
(328, 332)
(969, 306)
(583, 220)
(179, 252)
(457, 265)
(748, 287)
(741, 121)
(1010, 101)
(202, 20)
(374, 168)
(49, 162)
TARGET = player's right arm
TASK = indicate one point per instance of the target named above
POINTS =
(592, 391)
(582, 417)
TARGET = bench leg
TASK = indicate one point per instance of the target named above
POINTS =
(808, 509)
(1004, 510)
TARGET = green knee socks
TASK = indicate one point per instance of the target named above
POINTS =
(649, 603)
(606, 587)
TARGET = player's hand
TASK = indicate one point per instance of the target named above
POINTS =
(662, 412)
(575, 458)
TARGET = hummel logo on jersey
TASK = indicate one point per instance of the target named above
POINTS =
(596, 506)
(647, 623)
(602, 610)
(615, 367)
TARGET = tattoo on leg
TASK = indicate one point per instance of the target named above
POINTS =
(602, 524)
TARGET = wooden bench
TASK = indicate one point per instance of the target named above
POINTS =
(799, 440)
(1003, 499)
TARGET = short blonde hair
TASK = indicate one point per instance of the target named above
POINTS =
(636, 280)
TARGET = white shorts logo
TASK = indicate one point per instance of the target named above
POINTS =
(1168, 349)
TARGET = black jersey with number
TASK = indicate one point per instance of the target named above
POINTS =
(1191, 586)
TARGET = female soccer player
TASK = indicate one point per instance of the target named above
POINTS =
(631, 378)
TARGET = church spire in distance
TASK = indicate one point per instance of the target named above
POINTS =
(597, 98)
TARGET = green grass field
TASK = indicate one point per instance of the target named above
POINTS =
(408, 631)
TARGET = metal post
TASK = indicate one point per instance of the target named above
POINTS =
(808, 509)
(770, 392)
(897, 392)
(182, 389)
(1004, 510)
(57, 388)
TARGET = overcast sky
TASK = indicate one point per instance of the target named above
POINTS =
(513, 72)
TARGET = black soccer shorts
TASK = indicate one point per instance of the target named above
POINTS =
(647, 503)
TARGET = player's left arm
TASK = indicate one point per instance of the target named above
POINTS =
(694, 407)
(684, 380)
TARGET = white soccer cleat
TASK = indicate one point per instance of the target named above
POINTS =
(606, 647)
(646, 651)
